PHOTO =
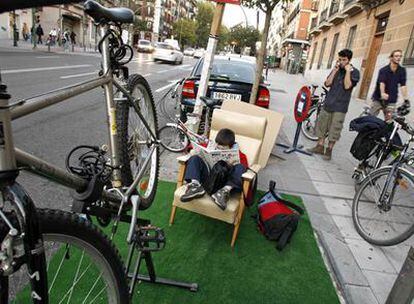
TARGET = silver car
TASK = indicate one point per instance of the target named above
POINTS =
(166, 52)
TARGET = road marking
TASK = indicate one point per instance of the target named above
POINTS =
(163, 71)
(146, 75)
(185, 66)
(78, 75)
(173, 82)
(47, 57)
(45, 69)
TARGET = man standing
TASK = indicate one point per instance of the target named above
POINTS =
(342, 79)
(386, 91)
(39, 33)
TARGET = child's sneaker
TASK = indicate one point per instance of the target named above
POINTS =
(221, 197)
(193, 191)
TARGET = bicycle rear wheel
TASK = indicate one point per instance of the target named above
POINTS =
(173, 138)
(309, 125)
(135, 140)
(83, 265)
(379, 223)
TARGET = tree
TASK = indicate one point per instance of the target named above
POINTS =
(242, 37)
(203, 22)
(266, 6)
(184, 30)
(224, 38)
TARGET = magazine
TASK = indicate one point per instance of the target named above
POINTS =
(212, 155)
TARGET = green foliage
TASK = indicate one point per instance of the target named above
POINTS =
(140, 25)
(203, 23)
(224, 38)
(264, 5)
(185, 31)
(242, 37)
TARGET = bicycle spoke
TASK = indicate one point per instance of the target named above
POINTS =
(60, 266)
(76, 282)
(93, 300)
(77, 273)
(92, 288)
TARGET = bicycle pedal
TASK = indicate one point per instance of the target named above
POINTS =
(150, 238)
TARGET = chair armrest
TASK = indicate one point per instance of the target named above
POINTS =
(183, 158)
(249, 174)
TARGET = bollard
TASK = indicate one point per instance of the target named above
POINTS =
(403, 290)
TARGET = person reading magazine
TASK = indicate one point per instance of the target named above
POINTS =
(197, 172)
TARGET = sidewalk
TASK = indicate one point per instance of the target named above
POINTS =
(363, 273)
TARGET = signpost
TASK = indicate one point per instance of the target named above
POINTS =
(301, 111)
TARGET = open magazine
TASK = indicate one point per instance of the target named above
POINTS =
(212, 155)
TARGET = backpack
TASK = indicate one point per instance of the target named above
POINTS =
(217, 177)
(363, 144)
(277, 218)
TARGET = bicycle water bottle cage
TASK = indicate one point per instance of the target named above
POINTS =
(90, 163)
(149, 238)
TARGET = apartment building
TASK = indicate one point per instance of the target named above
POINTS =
(276, 30)
(371, 29)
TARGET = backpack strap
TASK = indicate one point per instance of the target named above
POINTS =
(272, 185)
(287, 233)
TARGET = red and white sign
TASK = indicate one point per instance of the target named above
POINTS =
(302, 104)
(237, 2)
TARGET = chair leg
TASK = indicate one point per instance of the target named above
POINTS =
(235, 233)
(173, 210)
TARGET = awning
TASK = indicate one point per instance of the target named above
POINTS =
(295, 41)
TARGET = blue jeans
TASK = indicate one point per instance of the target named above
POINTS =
(198, 170)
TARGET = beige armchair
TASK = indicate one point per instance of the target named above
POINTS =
(250, 133)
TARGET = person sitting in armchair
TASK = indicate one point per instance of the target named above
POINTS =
(198, 173)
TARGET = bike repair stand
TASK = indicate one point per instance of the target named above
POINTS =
(302, 106)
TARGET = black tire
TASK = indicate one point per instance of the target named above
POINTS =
(366, 212)
(75, 233)
(173, 138)
(309, 124)
(133, 143)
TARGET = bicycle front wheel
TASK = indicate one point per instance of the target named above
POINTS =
(135, 140)
(83, 265)
(173, 138)
(309, 125)
(386, 219)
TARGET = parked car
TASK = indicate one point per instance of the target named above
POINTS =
(198, 53)
(166, 52)
(231, 78)
(189, 52)
(144, 46)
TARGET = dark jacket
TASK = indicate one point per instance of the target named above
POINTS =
(39, 31)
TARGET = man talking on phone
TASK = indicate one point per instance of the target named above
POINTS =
(341, 81)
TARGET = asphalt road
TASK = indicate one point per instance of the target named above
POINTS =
(51, 133)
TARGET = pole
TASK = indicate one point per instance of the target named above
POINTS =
(34, 28)
(14, 29)
(157, 19)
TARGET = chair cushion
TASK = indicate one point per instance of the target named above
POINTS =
(207, 207)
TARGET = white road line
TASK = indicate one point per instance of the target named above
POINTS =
(47, 57)
(184, 66)
(79, 75)
(166, 86)
(162, 71)
(45, 69)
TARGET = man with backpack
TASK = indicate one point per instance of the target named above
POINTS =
(341, 81)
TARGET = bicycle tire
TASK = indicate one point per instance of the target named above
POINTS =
(133, 145)
(76, 233)
(179, 136)
(306, 128)
(358, 218)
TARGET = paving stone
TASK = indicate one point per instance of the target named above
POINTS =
(380, 283)
(346, 227)
(369, 257)
(341, 178)
(337, 206)
(335, 190)
(359, 295)
(319, 175)
(344, 264)
(314, 204)
(322, 222)
(396, 255)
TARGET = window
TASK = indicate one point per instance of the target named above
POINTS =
(382, 24)
(333, 50)
(409, 54)
(232, 70)
(351, 37)
(315, 46)
(321, 54)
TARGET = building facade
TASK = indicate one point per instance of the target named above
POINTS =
(274, 40)
(371, 29)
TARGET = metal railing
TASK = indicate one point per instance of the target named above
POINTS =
(348, 2)
(314, 22)
(334, 8)
(324, 16)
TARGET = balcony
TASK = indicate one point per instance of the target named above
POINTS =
(352, 7)
(314, 30)
(324, 16)
(334, 16)
(323, 20)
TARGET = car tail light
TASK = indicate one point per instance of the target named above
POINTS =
(263, 98)
(189, 89)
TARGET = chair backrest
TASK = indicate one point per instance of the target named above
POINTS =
(274, 123)
(249, 131)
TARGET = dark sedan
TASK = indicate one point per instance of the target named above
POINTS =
(231, 78)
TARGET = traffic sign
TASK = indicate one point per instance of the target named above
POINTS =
(302, 104)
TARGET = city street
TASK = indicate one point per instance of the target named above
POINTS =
(53, 132)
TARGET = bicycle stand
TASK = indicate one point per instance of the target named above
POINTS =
(295, 147)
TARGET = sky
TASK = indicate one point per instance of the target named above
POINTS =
(233, 15)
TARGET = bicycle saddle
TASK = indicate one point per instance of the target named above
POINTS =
(102, 14)
(211, 102)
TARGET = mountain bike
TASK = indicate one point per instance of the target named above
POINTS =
(383, 207)
(68, 258)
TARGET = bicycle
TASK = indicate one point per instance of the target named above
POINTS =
(383, 208)
(106, 186)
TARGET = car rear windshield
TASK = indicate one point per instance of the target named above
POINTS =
(231, 70)
(165, 46)
(144, 42)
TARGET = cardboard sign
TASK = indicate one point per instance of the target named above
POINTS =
(302, 104)
(237, 2)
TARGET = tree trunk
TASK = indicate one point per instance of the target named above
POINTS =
(260, 58)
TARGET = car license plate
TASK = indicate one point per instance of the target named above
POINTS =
(226, 96)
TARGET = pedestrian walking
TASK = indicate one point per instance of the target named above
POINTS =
(390, 78)
(341, 81)
(39, 33)
(72, 38)
(53, 34)
(25, 31)
(65, 40)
